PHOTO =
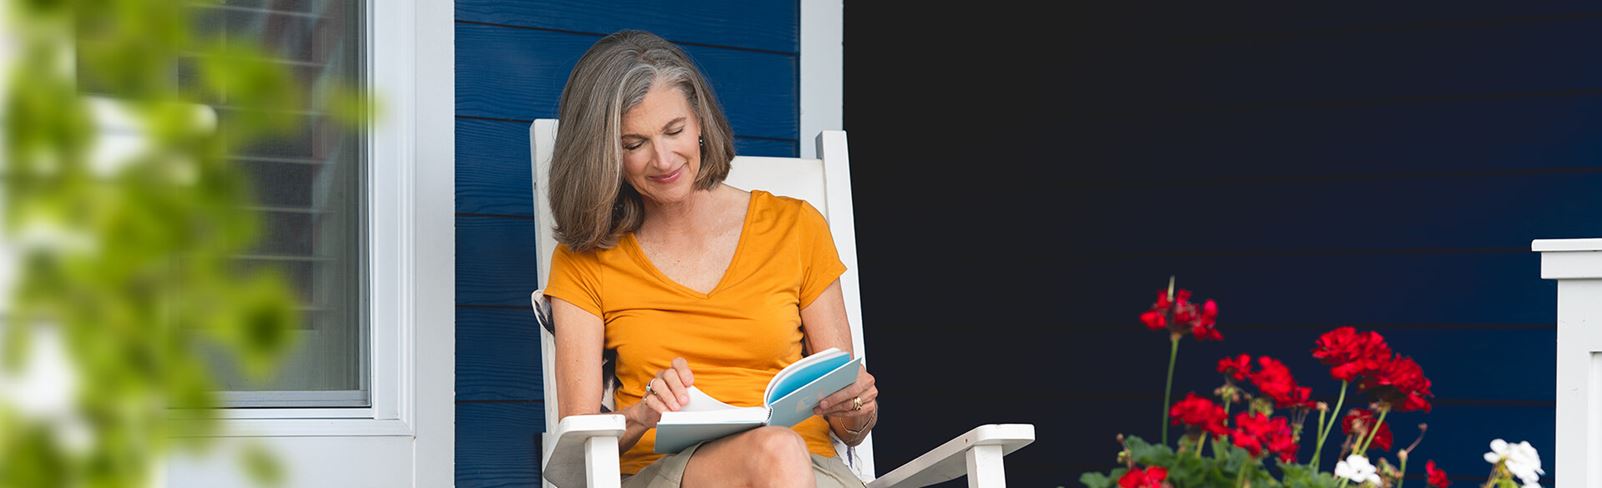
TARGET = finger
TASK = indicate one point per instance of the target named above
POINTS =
(842, 397)
(844, 394)
(849, 407)
(838, 406)
(675, 389)
(871, 394)
(653, 403)
(682, 367)
(664, 393)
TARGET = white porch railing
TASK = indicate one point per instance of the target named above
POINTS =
(1576, 264)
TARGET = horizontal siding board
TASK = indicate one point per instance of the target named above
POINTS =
(519, 73)
(764, 147)
(1437, 212)
(497, 444)
(493, 174)
(1353, 66)
(494, 260)
(772, 26)
(1457, 137)
(497, 355)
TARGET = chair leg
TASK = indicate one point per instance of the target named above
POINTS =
(985, 468)
(601, 474)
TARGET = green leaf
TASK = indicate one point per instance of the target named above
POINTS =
(1095, 480)
(1149, 454)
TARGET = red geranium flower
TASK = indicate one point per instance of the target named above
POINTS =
(1198, 412)
(1401, 383)
(1181, 316)
(1151, 477)
(1255, 433)
(1238, 367)
(1438, 477)
(1274, 380)
(1361, 420)
(1351, 354)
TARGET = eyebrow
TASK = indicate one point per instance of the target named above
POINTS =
(664, 127)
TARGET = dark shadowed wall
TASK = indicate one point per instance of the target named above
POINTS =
(1027, 177)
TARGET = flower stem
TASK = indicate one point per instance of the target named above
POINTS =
(1216, 455)
(1403, 476)
(1324, 430)
(1168, 387)
(1363, 447)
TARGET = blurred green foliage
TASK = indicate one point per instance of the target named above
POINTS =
(128, 263)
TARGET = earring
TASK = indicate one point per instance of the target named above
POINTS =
(701, 140)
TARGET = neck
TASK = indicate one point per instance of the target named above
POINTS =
(695, 214)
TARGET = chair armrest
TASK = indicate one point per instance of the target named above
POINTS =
(952, 459)
(582, 452)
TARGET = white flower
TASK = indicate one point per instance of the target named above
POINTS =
(1357, 469)
(1521, 459)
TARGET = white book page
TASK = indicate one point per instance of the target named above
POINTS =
(702, 402)
(703, 409)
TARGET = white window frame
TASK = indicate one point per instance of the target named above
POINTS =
(410, 68)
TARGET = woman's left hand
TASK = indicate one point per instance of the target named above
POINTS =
(855, 405)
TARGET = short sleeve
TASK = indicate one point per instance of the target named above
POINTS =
(821, 263)
(576, 279)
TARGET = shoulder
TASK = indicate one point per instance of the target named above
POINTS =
(783, 208)
(587, 259)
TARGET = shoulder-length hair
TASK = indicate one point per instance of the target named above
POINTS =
(592, 203)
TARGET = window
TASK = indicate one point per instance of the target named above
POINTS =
(310, 188)
(310, 191)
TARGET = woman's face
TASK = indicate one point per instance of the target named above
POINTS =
(661, 147)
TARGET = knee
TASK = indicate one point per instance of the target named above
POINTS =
(779, 446)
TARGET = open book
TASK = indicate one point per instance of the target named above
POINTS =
(789, 399)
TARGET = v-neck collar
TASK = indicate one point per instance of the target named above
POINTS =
(632, 245)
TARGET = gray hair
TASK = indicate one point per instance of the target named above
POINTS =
(590, 200)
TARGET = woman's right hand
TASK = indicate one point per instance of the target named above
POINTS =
(669, 391)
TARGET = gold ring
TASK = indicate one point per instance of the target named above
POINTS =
(856, 404)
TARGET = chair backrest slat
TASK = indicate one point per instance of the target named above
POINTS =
(825, 183)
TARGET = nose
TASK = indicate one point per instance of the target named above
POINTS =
(661, 159)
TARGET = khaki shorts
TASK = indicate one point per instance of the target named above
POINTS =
(668, 472)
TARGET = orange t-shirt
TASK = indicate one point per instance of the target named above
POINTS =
(735, 337)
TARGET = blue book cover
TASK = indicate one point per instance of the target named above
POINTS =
(790, 397)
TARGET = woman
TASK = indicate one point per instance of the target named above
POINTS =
(689, 281)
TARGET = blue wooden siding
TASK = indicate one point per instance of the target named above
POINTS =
(1309, 166)
(512, 58)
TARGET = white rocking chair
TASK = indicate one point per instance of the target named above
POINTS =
(582, 450)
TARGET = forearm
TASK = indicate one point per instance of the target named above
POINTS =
(633, 430)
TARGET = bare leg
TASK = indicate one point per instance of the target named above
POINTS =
(762, 457)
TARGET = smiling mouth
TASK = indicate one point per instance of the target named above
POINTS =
(667, 178)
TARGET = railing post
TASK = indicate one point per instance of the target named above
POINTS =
(1576, 264)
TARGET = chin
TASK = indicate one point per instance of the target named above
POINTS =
(678, 192)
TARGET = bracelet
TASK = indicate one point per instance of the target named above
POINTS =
(858, 431)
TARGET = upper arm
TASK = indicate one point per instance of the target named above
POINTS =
(823, 314)
(580, 336)
(824, 321)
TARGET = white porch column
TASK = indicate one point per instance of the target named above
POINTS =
(1576, 264)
